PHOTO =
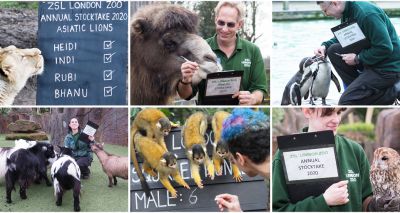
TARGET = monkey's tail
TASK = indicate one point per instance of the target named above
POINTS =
(143, 182)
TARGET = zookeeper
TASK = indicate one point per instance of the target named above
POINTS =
(233, 53)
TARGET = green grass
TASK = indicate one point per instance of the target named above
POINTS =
(5, 143)
(19, 5)
(95, 194)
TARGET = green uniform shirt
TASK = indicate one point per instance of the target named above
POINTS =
(246, 57)
(384, 53)
(353, 166)
(79, 148)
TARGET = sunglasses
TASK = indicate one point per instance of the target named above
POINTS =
(228, 24)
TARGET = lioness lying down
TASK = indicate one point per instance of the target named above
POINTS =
(16, 67)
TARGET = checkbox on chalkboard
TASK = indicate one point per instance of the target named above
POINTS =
(107, 75)
(108, 57)
(108, 91)
(108, 45)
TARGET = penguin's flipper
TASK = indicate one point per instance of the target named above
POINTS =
(306, 95)
(298, 94)
(336, 81)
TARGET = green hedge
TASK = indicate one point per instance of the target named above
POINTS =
(366, 129)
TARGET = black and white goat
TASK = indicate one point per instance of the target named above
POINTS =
(25, 163)
(66, 175)
(22, 166)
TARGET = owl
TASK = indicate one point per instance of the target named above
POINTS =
(385, 173)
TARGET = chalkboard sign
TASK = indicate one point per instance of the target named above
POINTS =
(252, 192)
(85, 48)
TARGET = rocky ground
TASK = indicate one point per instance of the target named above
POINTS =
(18, 27)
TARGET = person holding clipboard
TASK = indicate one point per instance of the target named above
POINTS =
(80, 149)
(233, 53)
(351, 192)
(365, 52)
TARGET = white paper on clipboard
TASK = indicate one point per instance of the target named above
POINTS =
(89, 130)
(349, 35)
(223, 86)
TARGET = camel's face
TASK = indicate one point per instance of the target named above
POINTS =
(20, 64)
(202, 54)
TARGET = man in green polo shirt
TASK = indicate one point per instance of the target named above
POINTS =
(372, 75)
(233, 53)
(352, 193)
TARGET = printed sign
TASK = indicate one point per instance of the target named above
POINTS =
(310, 164)
(223, 86)
(85, 47)
(349, 35)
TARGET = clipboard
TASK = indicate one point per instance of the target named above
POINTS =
(351, 37)
(220, 87)
(89, 130)
(309, 163)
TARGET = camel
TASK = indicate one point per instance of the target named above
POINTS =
(160, 35)
(16, 67)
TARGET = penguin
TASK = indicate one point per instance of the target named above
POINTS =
(298, 86)
(321, 81)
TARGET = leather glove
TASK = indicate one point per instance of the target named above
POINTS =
(384, 204)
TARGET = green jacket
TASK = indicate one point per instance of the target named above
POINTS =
(79, 148)
(246, 57)
(384, 53)
(353, 166)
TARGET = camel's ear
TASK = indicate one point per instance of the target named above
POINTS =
(140, 27)
(170, 41)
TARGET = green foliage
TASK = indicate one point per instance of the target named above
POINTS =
(206, 15)
(363, 128)
(96, 196)
(278, 114)
(19, 5)
(4, 111)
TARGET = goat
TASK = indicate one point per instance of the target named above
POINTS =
(66, 175)
(25, 163)
(22, 166)
(43, 151)
(114, 166)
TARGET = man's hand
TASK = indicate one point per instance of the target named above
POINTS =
(384, 204)
(247, 98)
(337, 194)
(188, 69)
(229, 202)
(350, 59)
(320, 51)
(91, 138)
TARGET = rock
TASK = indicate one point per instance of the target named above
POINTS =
(37, 136)
(24, 126)
(387, 129)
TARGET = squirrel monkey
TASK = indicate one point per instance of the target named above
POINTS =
(152, 123)
(193, 136)
(155, 157)
(221, 150)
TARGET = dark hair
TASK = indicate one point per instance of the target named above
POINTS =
(254, 144)
(329, 111)
(69, 128)
(320, 2)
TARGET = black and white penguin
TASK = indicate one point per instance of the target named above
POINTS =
(295, 88)
(321, 78)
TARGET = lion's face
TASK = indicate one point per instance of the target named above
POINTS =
(20, 64)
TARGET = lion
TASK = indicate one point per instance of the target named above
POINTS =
(16, 67)
(160, 35)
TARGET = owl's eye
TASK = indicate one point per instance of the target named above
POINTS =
(385, 158)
